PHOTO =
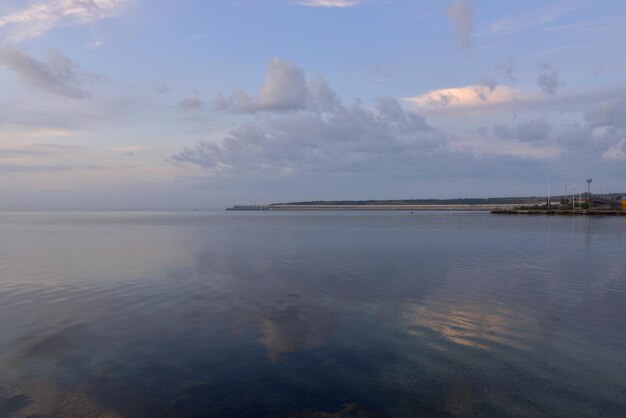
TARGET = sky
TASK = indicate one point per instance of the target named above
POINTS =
(190, 104)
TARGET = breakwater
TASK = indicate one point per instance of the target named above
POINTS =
(249, 207)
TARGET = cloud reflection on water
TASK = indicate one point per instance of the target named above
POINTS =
(432, 314)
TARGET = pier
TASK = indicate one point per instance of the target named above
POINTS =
(250, 207)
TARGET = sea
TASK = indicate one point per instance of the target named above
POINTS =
(311, 314)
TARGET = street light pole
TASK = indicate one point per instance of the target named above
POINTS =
(549, 203)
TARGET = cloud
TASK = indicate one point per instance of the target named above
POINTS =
(43, 16)
(19, 157)
(549, 79)
(18, 168)
(530, 130)
(506, 67)
(598, 136)
(34, 133)
(382, 71)
(608, 121)
(162, 88)
(57, 75)
(534, 130)
(328, 3)
(95, 44)
(463, 101)
(529, 20)
(610, 113)
(617, 151)
(321, 138)
(191, 103)
(591, 123)
(520, 151)
(37, 150)
(485, 89)
(284, 89)
(590, 27)
(529, 140)
(130, 150)
(39, 168)
(503, 131)
(461, 14)
(485, 92)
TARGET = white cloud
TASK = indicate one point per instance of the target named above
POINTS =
(464, 102)
(321, 138)
(617, 151)
(285, 88)
(468, 96)
(42, 16)
(328, 3)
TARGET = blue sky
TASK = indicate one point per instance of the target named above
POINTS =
(141, 104)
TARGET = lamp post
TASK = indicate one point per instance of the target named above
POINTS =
(589, 192)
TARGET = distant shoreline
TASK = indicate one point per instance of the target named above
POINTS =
(460, 205)
(409, 208)
(497, 205)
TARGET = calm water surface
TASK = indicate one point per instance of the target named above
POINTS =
(202, 314)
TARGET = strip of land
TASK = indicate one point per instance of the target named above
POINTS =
(608, 204)
(484, 208)
(484, 205)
